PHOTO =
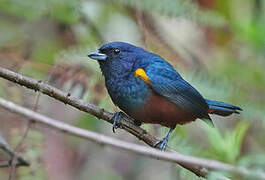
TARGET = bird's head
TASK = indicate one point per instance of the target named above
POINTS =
(117, 57)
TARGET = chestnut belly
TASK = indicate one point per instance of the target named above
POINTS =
(159, 110)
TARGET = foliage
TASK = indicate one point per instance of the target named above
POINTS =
(226, 147)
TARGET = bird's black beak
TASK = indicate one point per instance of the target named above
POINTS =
(97, 56)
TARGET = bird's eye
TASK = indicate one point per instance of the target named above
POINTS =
(116, 51)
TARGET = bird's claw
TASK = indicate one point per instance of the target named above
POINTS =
(116, 120)
(163, 144)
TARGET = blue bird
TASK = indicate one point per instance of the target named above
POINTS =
(147, 88)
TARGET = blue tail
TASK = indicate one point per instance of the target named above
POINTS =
(221, 108)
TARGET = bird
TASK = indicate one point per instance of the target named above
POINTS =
(148, 88)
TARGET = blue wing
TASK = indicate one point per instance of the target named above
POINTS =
(167, 82)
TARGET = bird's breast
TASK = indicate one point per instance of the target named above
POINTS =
(128, 93)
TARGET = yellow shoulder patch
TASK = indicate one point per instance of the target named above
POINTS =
(141, 73)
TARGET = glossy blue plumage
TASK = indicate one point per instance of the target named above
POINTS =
(166, 98)
(130, 93)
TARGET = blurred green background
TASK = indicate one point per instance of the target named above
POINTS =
(217, 45)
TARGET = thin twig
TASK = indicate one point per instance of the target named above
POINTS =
(135, 148)
(25, 134)
(13, 168)
(200, 167)
(11, 154)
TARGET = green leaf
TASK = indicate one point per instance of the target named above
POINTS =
(226, 147)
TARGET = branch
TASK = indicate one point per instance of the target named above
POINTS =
(135, 148)
(19, 161)
(199, 166)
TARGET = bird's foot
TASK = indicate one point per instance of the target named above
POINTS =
(163, 144)
(116, 120)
